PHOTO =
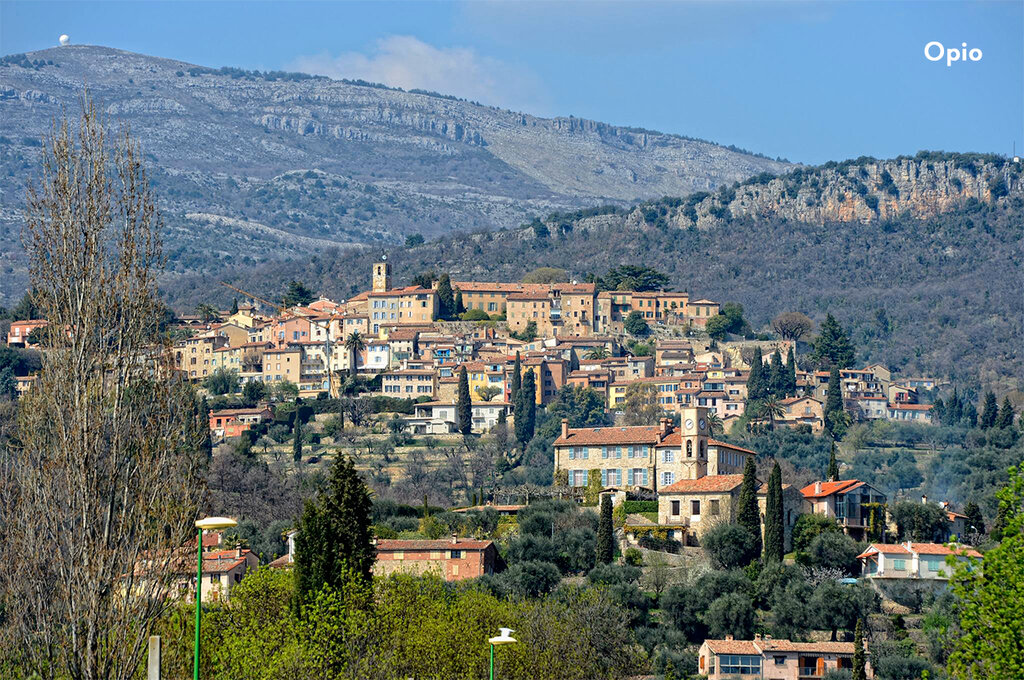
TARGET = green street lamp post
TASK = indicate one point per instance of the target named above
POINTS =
(205, 523)
(504, 639)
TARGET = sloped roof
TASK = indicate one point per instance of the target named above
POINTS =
(636, 434)
(398, 544)
(829, 488)
(707, 484)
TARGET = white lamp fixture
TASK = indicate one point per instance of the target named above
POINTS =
(209, 523)
(505, 637)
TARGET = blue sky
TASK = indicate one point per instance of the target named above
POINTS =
(810, 81)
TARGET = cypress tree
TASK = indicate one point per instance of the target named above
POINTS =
(234, 306)
(989, 411)
(834, 421)
(517, 378)
(776, 376)
(525, 410)
(445, 297)
(464, 405)
(939, 412)
(748, 516)
(774, 525)
(457, 303)
(204, 422)
(791, 374)
(334, 539)
(970, 415)
(833, 465)
(297, 438)
(1006, 413)
(605, 543)
(859, 671)
(757, 382)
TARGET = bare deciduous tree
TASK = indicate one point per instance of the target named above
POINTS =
(99, 496)
(792, 325)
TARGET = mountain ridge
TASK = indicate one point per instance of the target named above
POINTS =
(343, 161)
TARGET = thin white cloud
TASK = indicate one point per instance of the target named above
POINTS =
(408, 62)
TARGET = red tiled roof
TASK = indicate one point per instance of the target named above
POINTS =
(939, 549)
(732, 646)
(710, 483)
(829, 488)
(884, 548)
(911, 407)
(773, 645)
(398, 544)
(637, 434)
(727, 445)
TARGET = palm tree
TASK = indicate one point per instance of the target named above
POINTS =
(598, 353)
(771, 409)
(715, 424)
(354, 343)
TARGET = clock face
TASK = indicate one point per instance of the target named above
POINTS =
(689, 424)
(702, 424)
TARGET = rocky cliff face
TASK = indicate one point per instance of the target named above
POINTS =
(863, 191)
(340, 162)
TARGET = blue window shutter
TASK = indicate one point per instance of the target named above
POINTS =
(645, 476)
(604, 451)
(572, 453)
(604, 478)
(629, 477)
(586, 452)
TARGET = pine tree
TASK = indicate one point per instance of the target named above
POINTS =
(970, 415)
(297, 439)
(835, 420)
(833, 345)
(748, 516)
(833, 465)
(605, 541)
(774, 518)
(975, 520)
(464, 405)
(989, 411)
(791, 373)
(757, 382)
(334, 539)
(517, 379)
(859, 671)
(777, 376)
(1006, 413)
(445, 297)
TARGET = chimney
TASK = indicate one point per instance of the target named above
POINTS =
(455, 538)
(238, 552)
(924, 500)
(728, 638)
(757, 637)
(817, 488)
(565, 428)
(666, 427)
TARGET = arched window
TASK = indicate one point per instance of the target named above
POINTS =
(689, 449)
(703, 450)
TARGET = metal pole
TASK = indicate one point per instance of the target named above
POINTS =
(492, 662)
(199, 585)
(153, 662)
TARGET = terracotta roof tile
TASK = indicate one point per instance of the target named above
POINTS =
(710, 483)
(398, 544)
(829, 488)
(638, 434)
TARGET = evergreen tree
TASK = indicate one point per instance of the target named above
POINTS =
(204, 415)
(859, 671)
(748, 516)
(334, 540)
(297, 439)
(833, 346)
(774, 524)
(525, 410)
(605, 541)
(517, 379)
(777, 376)
(833, 465)
(970, 415)
(457, 303)
(975, 521)
(757, 381)
(464, 405)
(835, 415)
(989, 411)
(445, 297)
(234, 306)
(1006, 413)
(939, 412)
(954, 409)
(791, 374)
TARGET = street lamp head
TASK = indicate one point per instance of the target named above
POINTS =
(215, 523)
(505, 637)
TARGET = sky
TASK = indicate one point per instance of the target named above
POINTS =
(807, 81)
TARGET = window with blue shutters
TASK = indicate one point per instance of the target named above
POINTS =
(644, 477)
(604, 478)
(629, 452)
(604, 451)
(629, 477)
(618, 452)
(586, 453)
(572, 453)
